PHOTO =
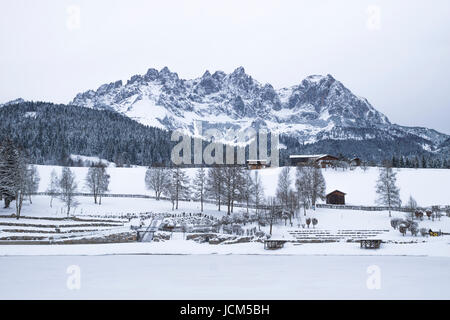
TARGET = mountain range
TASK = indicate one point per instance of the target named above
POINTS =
(320, 111)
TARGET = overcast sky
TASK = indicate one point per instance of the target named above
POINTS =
(394, 53)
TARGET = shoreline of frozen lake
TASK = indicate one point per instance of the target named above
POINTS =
(225, 277)
(432, 248)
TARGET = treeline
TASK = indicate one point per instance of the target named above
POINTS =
(419, 162)
(373, 152)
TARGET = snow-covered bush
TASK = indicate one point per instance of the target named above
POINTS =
(414, 230)
(237, 229)
(315, 222)
(226, 220)
(227, 229)
(395, 222)
(308, 221)
(402, 228)
(424, 232)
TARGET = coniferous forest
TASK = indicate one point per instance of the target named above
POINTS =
(50, 133)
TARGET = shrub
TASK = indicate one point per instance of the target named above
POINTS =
(414, 230)
(395, 222)
(402, 228)
(424, 232)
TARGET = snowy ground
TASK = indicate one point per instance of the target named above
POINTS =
(225, 277)
(41, 207)
(329, 219)
(180, 269)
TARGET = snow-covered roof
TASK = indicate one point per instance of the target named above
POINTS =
(336, 191)
(308, 156)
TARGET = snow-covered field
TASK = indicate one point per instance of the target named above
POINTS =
(224, 277)
(409, 267)
(427, 186)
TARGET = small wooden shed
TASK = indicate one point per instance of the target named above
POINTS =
(336, 197)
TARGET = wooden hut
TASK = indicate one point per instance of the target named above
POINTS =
(256, 164)
(336, 197)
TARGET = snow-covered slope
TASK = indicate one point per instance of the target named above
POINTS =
(320, 107)
(427, 186)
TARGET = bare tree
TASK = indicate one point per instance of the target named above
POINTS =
(32, 183)
(258, 191)
(272, 213)
(68, 187)
(387, 191)
(246, 188)
(302, 187)
(214, 184)
(232, 178)
(318, 186)
(412, 205)
(97, 181)
(310, 185)
(156, 179)
(284, 186)
(170, 189)
(53, 187)
(199, 186)
(178, 186)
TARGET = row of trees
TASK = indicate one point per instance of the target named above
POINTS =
(228, 185)
(225, 185)
(65, 186)
(19, 180)
(416, 162)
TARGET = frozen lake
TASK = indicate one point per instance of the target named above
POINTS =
(224, 277)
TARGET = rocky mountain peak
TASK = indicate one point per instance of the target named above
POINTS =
(320, 107)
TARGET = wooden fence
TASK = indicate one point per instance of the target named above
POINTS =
(374, 208)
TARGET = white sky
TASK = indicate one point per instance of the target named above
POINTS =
(401, 64)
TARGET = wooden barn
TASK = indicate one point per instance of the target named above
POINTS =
(322, 160)
(336, 197)
(256, 164)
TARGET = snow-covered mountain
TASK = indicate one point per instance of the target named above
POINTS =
(319, 108)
